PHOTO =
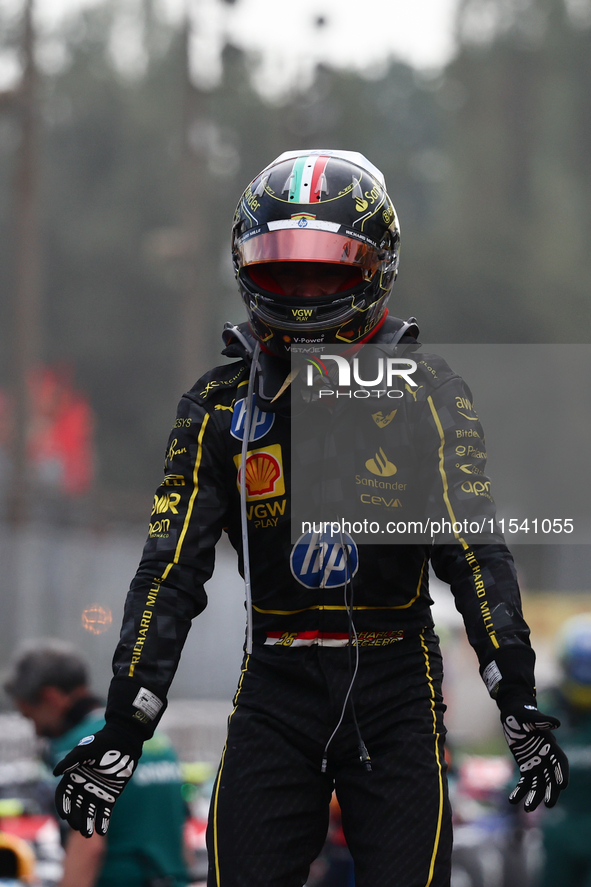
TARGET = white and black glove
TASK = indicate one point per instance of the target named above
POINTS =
(542, 763)
(95, 773)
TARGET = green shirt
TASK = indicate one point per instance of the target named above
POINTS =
(574, 737)
(145, 837)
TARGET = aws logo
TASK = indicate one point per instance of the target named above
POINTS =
(302, 313)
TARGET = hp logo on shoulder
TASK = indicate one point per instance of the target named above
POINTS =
(260, 422)
(324, 560)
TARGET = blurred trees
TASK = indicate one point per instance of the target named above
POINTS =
(488, 165)
(516, 204)
(111, 174)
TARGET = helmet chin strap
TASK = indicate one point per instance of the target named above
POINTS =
(243, 512)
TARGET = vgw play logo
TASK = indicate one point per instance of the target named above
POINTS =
(324, 560)
(387, 369)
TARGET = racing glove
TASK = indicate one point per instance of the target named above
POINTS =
(542, 763)
(95, 773)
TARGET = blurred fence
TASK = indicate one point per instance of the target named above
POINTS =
(197, 728)
(71, 583)
(18, 750)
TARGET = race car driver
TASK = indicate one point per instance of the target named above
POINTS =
(341, 682)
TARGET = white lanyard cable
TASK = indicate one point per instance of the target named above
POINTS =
(243, 512)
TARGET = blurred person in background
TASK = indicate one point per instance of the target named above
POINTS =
(49, 684)
(334, 694)
(567, 829)
(339, 870)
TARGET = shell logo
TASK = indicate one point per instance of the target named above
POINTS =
(264, 473)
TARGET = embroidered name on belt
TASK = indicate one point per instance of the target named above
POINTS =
(325, 639)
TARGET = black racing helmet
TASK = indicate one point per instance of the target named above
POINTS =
(316, 206)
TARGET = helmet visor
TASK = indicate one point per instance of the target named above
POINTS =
(304, 279)
(297, 245)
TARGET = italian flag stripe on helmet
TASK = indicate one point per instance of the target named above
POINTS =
(307, 182)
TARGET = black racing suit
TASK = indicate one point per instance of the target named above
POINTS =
(269, 809)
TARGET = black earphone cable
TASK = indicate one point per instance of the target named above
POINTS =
(364, 756)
